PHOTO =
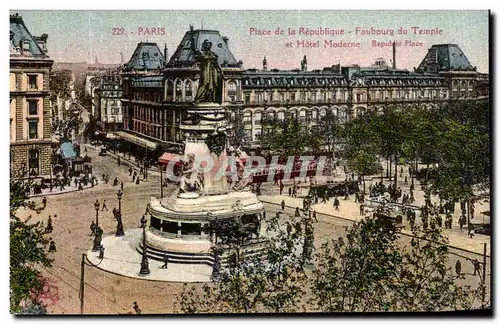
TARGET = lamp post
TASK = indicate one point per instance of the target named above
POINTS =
(119, 226)
(119, 194)
(96, 206)
(98, 231)
(144, 263)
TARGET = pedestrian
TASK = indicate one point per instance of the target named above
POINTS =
(52, 245)
(356, 197)
(461, 222)
(289, 191)
(104, 205)
(288, 228)
(165, 261)
(477, 267)
(137, 181)
(264, 215)
(49, 228)
(458, 268)
(101, 252)
(44, 202)
(119, 161)
(361, 210)
(346, 196)
(471, 230)
(283, 204)
(130, 171)
(297, 212)
(336, 203)
(314, 216)
(137, 308)
(92, 228)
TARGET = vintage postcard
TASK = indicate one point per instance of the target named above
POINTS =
(223, 161)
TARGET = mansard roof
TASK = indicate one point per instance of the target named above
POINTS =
(292, 78)
(185, 57)
(445, 57)
(19, 34)
(147, 56)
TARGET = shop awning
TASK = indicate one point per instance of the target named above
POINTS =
(137, 140)
(67, 151)
(167, 157)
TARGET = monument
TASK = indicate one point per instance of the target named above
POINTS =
(206, 211)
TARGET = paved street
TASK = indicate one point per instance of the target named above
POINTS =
(107, 293)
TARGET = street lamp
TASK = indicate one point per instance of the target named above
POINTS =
(119, 225)
(98, 231)
(119, 194)
(144, 263)
(96, 206)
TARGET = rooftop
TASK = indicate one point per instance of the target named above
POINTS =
(185, 57)
(445, 57)
(147, 56)
(22, 43)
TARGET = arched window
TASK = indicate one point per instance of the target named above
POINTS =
(178, 90)
(281, 115)
(189, 90)
(247, 118)
(257, 117)
(34, 162)
(170, 91)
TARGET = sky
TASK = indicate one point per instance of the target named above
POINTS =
(80, 36)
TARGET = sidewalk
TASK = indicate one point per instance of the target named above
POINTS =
(349, 210)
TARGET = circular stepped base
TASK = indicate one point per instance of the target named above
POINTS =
(251, 250)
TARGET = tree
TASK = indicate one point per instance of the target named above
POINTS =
(327, 131)
(364, 162)
(28, 244)
(352, 273)
(372, 271)
(288, 137)
(273, 282)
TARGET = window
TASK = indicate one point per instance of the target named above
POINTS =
(358, 97)
(247, 98)
(334, 95)
(32, 82)
(33, 129)
(303, 96)
(170, 90)
(313, 96)
(231, 89)
(271, 97)
(282, 97)
(292, 96)
(34, 162)
(32, 107)
(189, 89)
(178, 90)
(281, 115)
(314, 114)
(247, 118)
(324, 96)
(257, 118)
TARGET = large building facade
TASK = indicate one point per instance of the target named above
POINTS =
(30, 122)
(157, 93)
(107, 98)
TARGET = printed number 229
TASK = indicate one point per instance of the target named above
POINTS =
(118, 30)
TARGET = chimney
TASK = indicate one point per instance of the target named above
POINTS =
(165, 52)
(264, 64)
(226, 40)
(394, 55)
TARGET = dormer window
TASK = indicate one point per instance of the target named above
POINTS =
(25, 45)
